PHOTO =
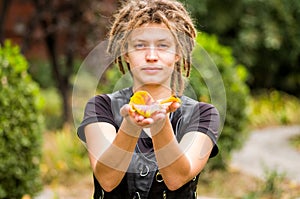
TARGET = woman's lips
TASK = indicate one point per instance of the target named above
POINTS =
(151, 69)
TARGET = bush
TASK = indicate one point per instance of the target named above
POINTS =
(40, 71)
(53, 110)
(234, 77)
(273, 108)
(20, 126)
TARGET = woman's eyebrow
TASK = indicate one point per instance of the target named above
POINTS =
(138, 40)
(166, 39)
(146, 40)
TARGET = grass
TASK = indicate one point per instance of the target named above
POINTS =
(295, 142)
(63, 156)
(273, 109)
(234, 184)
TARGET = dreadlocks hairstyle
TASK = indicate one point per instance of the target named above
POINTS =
(135, 13)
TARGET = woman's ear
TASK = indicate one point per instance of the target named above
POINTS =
(177, 58)
(126, 58)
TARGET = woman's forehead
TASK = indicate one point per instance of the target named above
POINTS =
(151, 32)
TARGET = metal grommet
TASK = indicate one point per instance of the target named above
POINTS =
(158, 177)
(194, 179)
(146, 173)
(102, 194)
(164, 195)
(137, 195)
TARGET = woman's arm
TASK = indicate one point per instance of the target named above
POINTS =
(110, 152)
(180, 162)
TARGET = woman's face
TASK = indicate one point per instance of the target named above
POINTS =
(151, 55)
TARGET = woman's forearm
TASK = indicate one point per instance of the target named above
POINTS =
(178, 163)
(113, 163)
(172, 162)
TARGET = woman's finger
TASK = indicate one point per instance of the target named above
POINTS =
(125, 110)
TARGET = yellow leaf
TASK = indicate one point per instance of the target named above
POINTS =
(143, 103)
(141, 98)
(26, 196)
(171, 99)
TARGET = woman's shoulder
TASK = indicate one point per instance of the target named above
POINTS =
(190, 105)
(123, 93)
(107, 97)
(187, 101)
(99, 99)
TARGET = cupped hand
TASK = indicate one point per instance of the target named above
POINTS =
(134, 121)
(134, 118)
(160, 117)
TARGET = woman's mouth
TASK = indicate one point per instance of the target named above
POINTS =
(151, 69)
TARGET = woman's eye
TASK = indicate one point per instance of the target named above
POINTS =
(139, 46)
(163, 46)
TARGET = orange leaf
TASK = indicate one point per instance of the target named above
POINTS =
(171, 99)
(143, 103)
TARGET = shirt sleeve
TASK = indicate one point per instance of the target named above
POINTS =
(205, 119)
(97, 109)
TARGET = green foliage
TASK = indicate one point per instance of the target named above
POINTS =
(237, 94)
(271, 108)
(53, 109)
(40, 71)
(20, 126)
(264, 35)
(271, 187)
(269, 42)
(113, 80)
(295, 142)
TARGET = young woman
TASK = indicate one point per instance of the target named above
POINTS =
(159, 155)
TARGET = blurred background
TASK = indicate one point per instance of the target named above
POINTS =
(255, 45)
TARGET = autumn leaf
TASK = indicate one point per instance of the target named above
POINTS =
(143, 103)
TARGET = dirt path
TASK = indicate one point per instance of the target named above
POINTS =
(78, 189)
(269, 149)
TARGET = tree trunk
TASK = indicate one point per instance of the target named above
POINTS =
(61, 72)
(4, 8)
(63, 84)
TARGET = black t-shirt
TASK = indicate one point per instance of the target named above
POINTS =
(204, 118)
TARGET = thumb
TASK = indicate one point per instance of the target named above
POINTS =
(124, 111)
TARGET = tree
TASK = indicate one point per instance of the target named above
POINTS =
(4, 8)
(207, 86)
(264, 35)
(68, 27)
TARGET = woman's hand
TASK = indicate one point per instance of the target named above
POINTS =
(129, 124)
(133, 118)
(134, 122)
(173, 107)
(160, 117)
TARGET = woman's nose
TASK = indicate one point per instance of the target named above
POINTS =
(151, 54)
